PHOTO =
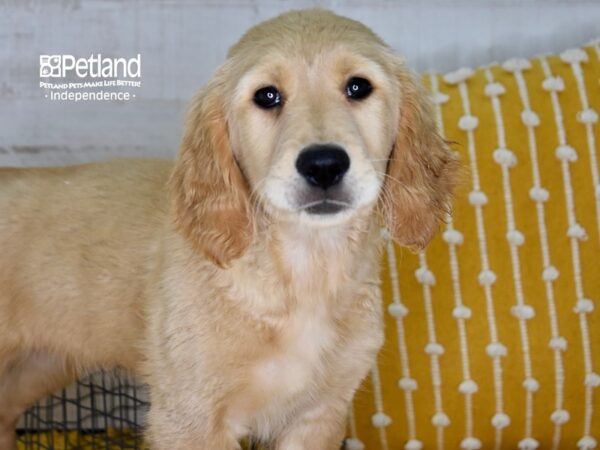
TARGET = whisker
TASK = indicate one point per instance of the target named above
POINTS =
(390, 177)
(407, 189)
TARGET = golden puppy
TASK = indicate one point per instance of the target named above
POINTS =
(239, 283)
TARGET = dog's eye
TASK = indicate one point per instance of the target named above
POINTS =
(267, 97)
(358, 88)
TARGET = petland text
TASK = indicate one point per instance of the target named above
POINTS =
(96, 66)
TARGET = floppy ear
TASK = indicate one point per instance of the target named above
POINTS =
(209, 193)
(422, 170)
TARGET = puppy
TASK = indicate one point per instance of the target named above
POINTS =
(241, 281)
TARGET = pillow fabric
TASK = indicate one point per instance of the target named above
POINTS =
(492, 339)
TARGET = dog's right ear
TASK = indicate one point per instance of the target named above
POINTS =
(210, 195)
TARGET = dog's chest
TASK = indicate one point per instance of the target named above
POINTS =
(297, 356)
(288, 377)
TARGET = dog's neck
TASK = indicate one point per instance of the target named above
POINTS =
(291, 267)
(322, 263)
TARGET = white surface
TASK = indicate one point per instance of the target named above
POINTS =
(182, 41)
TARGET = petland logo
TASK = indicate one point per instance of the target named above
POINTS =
(66, 78)
(59, 66)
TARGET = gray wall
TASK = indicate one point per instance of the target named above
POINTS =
(182, 41)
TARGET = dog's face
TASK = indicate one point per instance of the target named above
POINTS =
(313, 132)
(312, 119)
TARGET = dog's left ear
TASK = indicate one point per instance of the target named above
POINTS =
(209, 193)
(422, 170)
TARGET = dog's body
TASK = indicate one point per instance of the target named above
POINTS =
(84, 268)
(77, 248)
(246, 312)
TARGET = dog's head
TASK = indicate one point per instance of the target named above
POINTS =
(312, 118)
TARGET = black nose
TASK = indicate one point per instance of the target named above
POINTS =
(323, 165)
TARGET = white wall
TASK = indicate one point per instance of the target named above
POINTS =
(182, 41)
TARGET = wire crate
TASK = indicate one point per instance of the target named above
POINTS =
(105, 410)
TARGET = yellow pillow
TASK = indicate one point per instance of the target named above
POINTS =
(492, 340)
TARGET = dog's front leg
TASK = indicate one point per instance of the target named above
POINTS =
(193, 441)
(172, 428)
(320, 428)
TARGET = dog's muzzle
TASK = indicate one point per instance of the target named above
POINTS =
(323, 166)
